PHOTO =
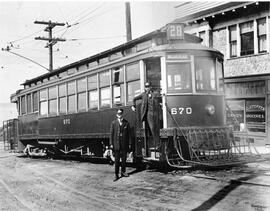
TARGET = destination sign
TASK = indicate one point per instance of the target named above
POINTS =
(178, 56)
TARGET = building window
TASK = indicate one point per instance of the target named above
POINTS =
(62, 99)
(92, 93)
(202, 36)
(71, 97)
(53, 100)
(179, 77)
(118, 86)
(205, 74)
(81, 89)
(255, 115)
(43, 103)
(262, 42)
(233, 41)
(235, 114)
(247, 38)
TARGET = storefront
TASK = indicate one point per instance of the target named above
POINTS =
(247, 106)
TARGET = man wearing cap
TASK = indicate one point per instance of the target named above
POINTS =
(120, 142)
(149, 109)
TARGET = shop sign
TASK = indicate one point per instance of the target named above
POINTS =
(255, 108)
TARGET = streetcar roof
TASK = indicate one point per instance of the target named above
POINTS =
(189, 42)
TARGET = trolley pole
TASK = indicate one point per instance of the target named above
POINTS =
(50, 39)
(128, 22)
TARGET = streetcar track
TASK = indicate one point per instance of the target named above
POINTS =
(5, 185)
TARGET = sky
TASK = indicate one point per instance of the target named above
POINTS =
(90, 28)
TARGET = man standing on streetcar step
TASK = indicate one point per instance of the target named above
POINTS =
(149, 110)
(120, 142)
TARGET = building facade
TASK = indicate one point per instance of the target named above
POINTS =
(241, 31)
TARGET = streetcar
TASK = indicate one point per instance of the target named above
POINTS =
(68, 111)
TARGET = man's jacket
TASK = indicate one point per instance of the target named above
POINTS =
(150, 102)
(115, 135)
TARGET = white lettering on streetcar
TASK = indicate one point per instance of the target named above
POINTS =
(181, 111)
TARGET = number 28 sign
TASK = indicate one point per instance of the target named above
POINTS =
(175, 31)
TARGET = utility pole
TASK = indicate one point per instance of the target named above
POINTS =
(128, 22)
(50, 39)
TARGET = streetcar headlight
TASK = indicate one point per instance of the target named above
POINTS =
(210, 109)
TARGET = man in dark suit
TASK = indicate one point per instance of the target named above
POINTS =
(120, 142)
(149, 110)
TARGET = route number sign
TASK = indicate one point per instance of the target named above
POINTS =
(175, 31)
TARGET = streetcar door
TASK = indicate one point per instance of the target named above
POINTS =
(151, 136)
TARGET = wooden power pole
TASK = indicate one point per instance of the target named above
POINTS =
(50, 39)
(128, 22)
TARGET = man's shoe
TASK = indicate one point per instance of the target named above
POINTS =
(124, 174)
(116, 178)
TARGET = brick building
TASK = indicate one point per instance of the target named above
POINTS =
(241, 31)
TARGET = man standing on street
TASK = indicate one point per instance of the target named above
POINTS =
(120, 142)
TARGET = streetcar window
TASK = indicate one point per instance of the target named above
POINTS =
(62, 90)
(43, 108)
(81, 85)
(71, 97)
(52, 92)
(23, 105)
(71, 103)
(43, 103)
(118, 86)
(133, 81)
(118, 75)
(52, 100)
(133, 90)
(205, 74)
(29, 107)
(220, 76)
(93, 99)
(179, 77)
(133, 72)
(93, 93)
(53, 106)
(92, 82)
(62, 105)
(104, 79)
(105, 97)
(35, 101)
(118, 94)
(62, 98)
(82, 101)
(81, 88)
(43, 95)
(71, 87)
